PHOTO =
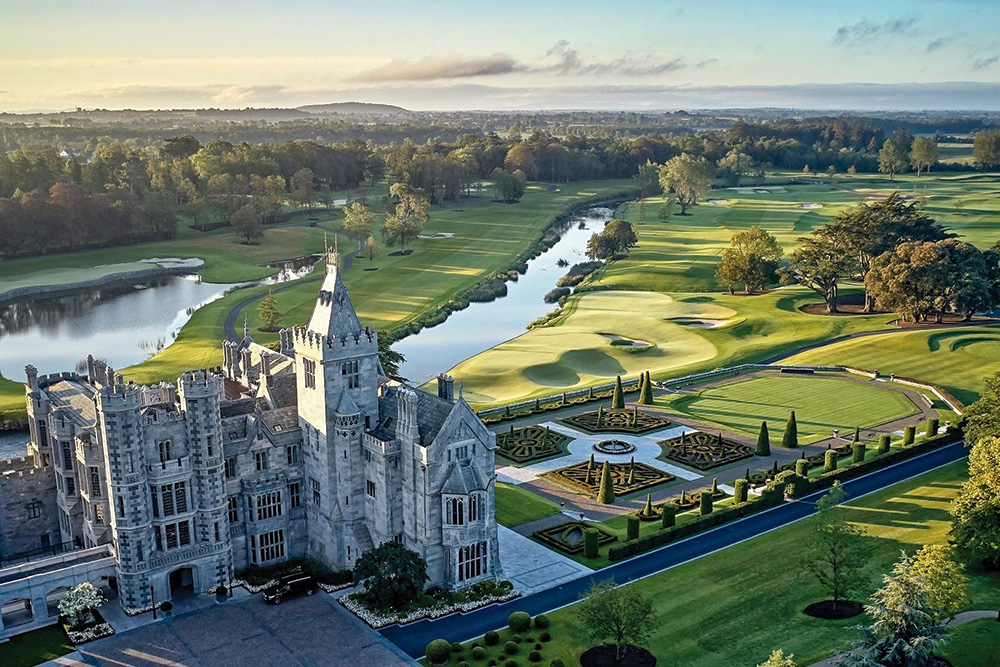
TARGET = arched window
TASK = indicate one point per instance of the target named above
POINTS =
(473, 505)
(455, 512)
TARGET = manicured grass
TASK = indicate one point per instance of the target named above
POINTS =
(821, 403)
(735, 606)
(33, 647)
(516, 506)
(957, 359)
(571, 352)
(974, 644)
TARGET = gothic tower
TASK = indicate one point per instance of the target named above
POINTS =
(337, 383)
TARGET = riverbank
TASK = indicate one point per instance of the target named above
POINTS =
(63, 281)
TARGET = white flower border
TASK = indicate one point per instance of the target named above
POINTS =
(376, 620)
(90, 634)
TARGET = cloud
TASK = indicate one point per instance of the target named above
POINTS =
(867, 31)
(983, 63)
(568, 61)
(449, 67)
(939, 43)
(706, 63)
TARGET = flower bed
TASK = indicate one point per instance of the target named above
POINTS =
(354, 603)
(625, 477)
(95, 627)
(703, 451)
(568, 537)
(531, 443)
(632, 421)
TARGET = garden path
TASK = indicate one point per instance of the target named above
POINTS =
(532, 567)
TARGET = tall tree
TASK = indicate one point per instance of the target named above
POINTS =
(986, 149)
(247, 223)
(689, 177)
(735, 165)
(751, 259)
(408, 217)
(903, 632)
(622, 615)
(892, 159)
(944, 580)
(975, 529)
(304, 187)
(820, 264)
(393, 575)
(923, 153)
(982, 418)
(621, 234)
(389, 358)
(648, 179)
(371, 249)
(268, 311)
(358, 221)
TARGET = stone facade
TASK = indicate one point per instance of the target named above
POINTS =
(306, 451)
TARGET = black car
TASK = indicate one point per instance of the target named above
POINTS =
(290, 586)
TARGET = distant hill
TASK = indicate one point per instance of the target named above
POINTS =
(352, 107)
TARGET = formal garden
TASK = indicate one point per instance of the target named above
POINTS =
(531, 444)
(618, 479)
(617, 420)
(704, 451)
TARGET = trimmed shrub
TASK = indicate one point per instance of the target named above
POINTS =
(790, 438)
(632, 527)
(669, 516)
(516, 639)
(909, 434)
(802, 467)
(479, 653)
(535, 656)
(538, 647)
(606, 490)
(557, 663)
(545, 637)
(705, 506)
(519, 621)
(830, 459)
(491, 638)
(510, 663)
(492, 662)
(438, 651)
(590, 537)
(884, 443)
(510, 648)
(541, 621)
(763, 441)
(858, 452)
(456, 647)
(932, 427)
(740, 490)
(167, 605)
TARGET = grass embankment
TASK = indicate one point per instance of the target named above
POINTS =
(734, 606)
(741, 405)
(974, 644)
(32, 648)
(571, 352)
(956, 359)
(516, 506)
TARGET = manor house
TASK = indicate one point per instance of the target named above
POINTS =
(307, 450)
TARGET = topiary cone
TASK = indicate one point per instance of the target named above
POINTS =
(648, 509)
(618, 397)
(631, 476)
(790, 439)
(606, 491)
(763, 441)
(646, 393)
(715, 485)
(590, 463)
(857, 435)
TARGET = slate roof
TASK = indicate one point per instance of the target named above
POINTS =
(241, 406)
(281, 420)
(464, 478)
(432, 411)
(282, 390)
(334, 315)
(75, 396)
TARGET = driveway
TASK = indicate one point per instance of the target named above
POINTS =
(309, 631)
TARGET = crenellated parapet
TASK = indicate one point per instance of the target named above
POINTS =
(361, 342)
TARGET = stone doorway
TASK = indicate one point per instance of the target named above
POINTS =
(181, 583)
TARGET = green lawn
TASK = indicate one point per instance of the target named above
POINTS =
(957, 359)
(733, 607)
(974, 644)
(33, 647)
(571, 353)
(821, 403)
(516, 506)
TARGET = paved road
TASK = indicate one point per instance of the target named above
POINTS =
(412, 638)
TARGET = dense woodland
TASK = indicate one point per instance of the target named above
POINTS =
(105, 180)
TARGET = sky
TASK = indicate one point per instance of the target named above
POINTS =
(539, 54)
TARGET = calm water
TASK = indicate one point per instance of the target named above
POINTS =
(13, 444)
(483, 325)
(121, 324)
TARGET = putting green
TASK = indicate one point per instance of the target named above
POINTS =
(821, 403)
(576, 352)
(957, 359)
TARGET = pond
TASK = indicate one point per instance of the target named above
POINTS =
(13, 444)
(123, 324)
(481, 326)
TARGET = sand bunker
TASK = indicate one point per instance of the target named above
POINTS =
(439, 235)
(811, 205)
(623, 343)
(759, 191)
(175, 262)
(721, 202)
(699, 323)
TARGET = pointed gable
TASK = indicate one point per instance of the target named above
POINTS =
(334, 314)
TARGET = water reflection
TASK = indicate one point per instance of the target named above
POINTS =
(483, 325)
(123, 324)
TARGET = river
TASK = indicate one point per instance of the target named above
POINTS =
(481, 326)
(123, 324)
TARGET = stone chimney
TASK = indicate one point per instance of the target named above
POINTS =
(265, 364)
(446, 387)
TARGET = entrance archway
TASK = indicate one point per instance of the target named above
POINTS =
(17, 612)
(181, 583)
